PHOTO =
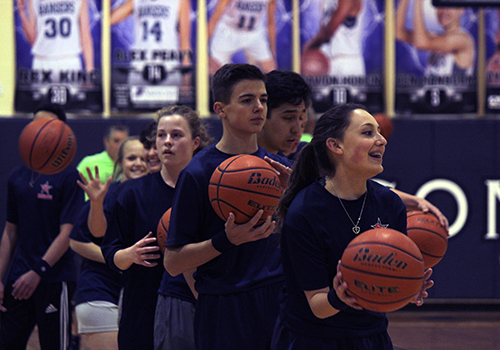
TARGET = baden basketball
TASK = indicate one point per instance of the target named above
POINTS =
(386, 125)
(383, 269)
(47, 145)
(314, 63)
(162, 230)
(431, 238)
(243, 185)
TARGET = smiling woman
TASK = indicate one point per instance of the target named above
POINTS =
(330, 200)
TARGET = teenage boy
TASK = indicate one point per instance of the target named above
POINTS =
(41, 278)
(238, 272)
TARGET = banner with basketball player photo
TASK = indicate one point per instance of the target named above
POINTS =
(258, 32)
(58, 54)
(342, 51)
(436, 54)
(492, 44)
(152, 54)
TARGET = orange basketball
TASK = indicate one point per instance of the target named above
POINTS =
(383, 269)
(47, 145)
(386, 125)
(243, 185)
(162, 230)
(314, 63)
(431, 238)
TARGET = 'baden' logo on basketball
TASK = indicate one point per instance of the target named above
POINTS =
(364, 255)
(258, 179)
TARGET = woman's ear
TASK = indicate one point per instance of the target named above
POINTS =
(334, 145)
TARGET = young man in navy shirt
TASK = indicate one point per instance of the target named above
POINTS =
(41, 210)
(238, 272)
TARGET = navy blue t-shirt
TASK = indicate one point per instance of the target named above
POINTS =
(97, 281)
(315, 233)
(39, 204)
(249, 265)
(138, 208)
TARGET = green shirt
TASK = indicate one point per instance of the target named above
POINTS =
(103, 162)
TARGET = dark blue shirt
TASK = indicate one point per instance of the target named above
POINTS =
(247, 266)
(138, 208)
(315, 233)
(97, 281)
(39, 204)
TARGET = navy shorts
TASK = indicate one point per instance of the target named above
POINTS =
(286, 339)
(243, 321)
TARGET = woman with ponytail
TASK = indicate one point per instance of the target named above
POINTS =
(330, 199)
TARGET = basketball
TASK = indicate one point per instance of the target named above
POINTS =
(431, 238)
(162, 230)
(386, 125)
(314, 63)
(244, 184)
(47, 145)
(383, 269)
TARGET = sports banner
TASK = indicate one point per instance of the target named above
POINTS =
(342, 51)
(436, 58)
(250, 31)
(152, 54)
(492, 42)
(58, 54)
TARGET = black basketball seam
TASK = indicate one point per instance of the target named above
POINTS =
(243, 190)
(245, 169)
(432, 256)
(57, 145)
(229, 205)
(387, 245)
(36, 138)
(428, 230)
(382, 302)
(379, 274)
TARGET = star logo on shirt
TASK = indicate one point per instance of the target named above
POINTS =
(45, 191)
(379, 224)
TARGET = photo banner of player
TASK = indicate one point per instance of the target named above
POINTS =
(58, 54)
(436, 58)
(152, 54)
(492, 43)
(343, 62)
(250, 31)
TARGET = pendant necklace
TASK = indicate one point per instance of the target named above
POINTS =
(355, 227)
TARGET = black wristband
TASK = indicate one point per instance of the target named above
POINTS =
(335, 301)
(41, 268)
(221, 243)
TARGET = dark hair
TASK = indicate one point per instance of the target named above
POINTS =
(229, 75)
(117, 169)
(194, 121)
(148, 134)
(313, 160)
(56, 109)
(116, 127)
(286, 87)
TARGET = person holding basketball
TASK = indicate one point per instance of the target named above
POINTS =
(238, 272)
(98, 290)
(129, 248)
(36, 265)
(331, 199)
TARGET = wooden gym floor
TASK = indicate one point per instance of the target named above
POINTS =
(435, 326)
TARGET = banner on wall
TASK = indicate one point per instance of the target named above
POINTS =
(435, 61)
(250, 31)
(343, 63)
(152, 54)
(58, 55)
(492, 42)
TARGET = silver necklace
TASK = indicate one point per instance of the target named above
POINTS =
(355, 227)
